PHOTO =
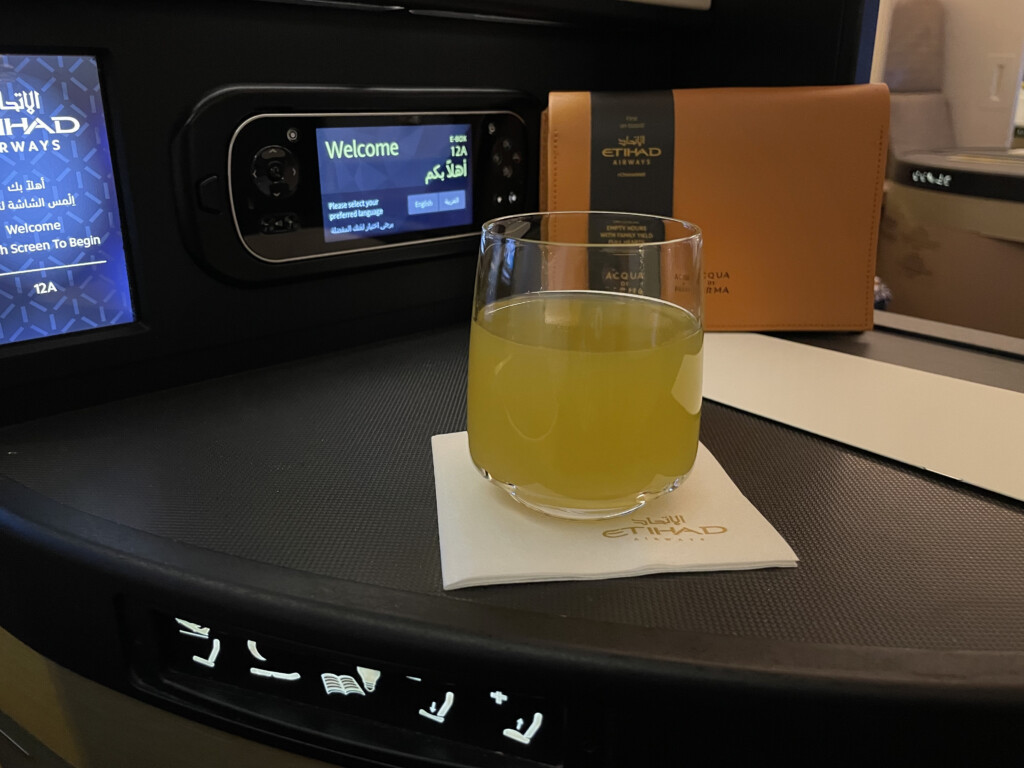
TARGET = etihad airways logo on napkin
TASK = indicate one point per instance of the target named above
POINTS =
(669, 528)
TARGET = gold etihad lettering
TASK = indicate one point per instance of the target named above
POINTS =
(666, 531)
(631, 150)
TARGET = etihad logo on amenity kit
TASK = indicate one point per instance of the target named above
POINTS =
(631, 150)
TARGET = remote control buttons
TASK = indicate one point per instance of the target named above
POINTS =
(506, 159)
(507, 171)
(275, 172)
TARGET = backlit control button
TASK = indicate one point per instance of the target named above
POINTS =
(521, 736)
(268, 673)
(345, 685)
(198, 631)
(439, 713)
(210, 660)
(369, 677)
(192, 629)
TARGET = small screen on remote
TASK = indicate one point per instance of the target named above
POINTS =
(62, 253)
(377, 181)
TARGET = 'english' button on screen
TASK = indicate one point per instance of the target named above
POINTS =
(426, 203)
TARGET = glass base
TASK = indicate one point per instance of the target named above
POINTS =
(567, 511)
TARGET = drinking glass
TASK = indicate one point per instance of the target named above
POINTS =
(585, 359)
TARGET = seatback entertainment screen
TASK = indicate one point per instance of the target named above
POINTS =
(62, 252)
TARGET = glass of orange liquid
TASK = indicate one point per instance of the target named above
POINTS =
(585, 359)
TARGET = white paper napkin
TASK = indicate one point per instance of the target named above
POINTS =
(488, 538)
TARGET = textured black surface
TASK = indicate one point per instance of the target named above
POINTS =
(324, 466)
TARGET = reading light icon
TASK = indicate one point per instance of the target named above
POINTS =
(369, 677)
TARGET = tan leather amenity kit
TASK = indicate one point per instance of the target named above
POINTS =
(786, 184)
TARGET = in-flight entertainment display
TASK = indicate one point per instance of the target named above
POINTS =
(388, 180)
(62, 252)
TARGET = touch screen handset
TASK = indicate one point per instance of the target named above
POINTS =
(284, 182)
(307, 186)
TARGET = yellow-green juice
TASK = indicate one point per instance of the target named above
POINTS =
(584, 401)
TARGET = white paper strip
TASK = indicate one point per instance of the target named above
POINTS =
(959, 429)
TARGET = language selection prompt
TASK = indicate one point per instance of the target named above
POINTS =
(388, 180)
(62, 258)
